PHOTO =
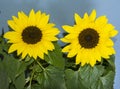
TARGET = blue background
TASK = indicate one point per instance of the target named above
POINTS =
(62, 12)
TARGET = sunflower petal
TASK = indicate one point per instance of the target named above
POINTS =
(13, 36)
(93, 15)
(101, 21)
(31, 19)
(78, 19)
(12, 48)
(44, 20)
(67, 28)
(85, 16)
(113, 33)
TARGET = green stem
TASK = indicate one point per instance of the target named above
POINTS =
(31, 78)
(40, 65)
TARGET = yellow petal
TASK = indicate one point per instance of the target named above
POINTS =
(66, 48)
(78, 58)
(21, 47)
(93, 15)
(42, 50)
(85, 16)
(24, 54)
(24, 19)
(12, 24)
(68, 29)
(50, 38)
(72, 53)
(38, 18)
(12, 48)
(28, 51)
(44, 20)
(14, 37)
(65, 40)
(16, 20)
(113, 33)
(109, 42)
(31, 19)
(97, 54)
(77, 61)
(52, 31)
(48, 45)
(71, 36)
(92, 62)
(103, 52)
(41, 55)
(101, 21)
(78, 19)
(17, 24)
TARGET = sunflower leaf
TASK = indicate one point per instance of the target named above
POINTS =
(36, 86)
(55, 57)
(85, 75)
(11, 66)
(111, 62)
(4, 82)
(73, 80)
(97, 77)
(89, 75)
(3, 45)
(108, 80)
(51, 78)
(20, 81)
(15, 72)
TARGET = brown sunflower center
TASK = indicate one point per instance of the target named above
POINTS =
(31, 35)
(88, 38)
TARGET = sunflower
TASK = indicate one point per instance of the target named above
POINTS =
(31, 35)
(89, 39)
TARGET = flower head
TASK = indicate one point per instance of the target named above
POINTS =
(32, 35)
(89, 39)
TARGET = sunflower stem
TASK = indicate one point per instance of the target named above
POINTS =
(40, 65)
(31, 78)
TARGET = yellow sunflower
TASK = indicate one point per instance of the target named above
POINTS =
(89, 39)
(32, 35)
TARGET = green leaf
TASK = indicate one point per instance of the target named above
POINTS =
(12, 86)
(20, 81)
(21, 68)
(95, 77)
(51, 78)
(23, 65)
(111, 62)
(11, 66)
(37, 68)
(55, 57)
(36, 86)
(89, 75)
(108, 80)
(73, 80)
(4, 82)
(3, 45)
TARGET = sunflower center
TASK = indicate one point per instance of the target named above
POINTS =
(31, 35)
(88, 38)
